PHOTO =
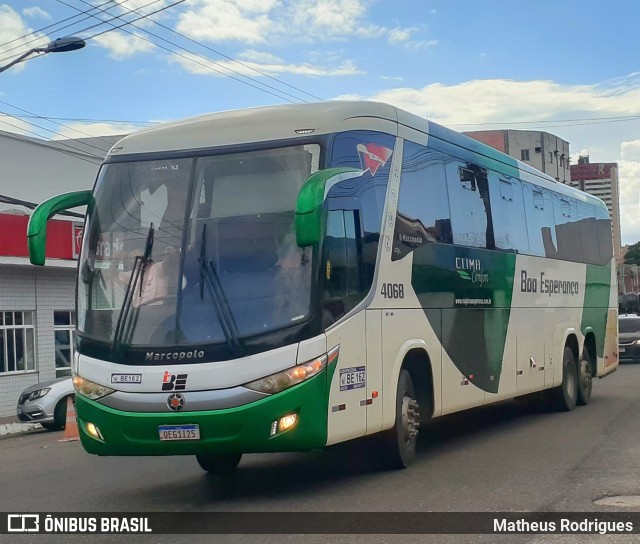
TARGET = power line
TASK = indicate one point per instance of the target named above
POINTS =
(124, 24)
(105, 151)
(52, 25)
(595, 120)
(218, 53)
(208, 67)
(28, 140)
(5, 199)
(59, 124)
(86, 120)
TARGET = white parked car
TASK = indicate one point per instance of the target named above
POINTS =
(46, 403)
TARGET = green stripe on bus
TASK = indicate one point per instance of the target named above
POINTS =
(596, 303)
(473, 290)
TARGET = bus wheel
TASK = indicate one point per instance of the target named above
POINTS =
(219, 464)
(585, 380)
(400, 442)
(565, 396)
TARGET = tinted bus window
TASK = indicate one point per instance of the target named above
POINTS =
(423, 207)
(568, 233)
(471, 222)
(507, 209)
(540, 223)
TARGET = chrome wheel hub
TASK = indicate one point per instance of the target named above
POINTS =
(410, 418)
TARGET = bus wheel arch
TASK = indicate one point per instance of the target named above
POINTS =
(417, 363)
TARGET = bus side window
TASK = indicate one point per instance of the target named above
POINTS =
(423, 214)
(588, 233)
(471, 220)
(342, 263)
(603, 227)
(540, 222)
(568, 232)
(507, 211)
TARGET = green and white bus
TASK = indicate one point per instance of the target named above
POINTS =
(291, 277)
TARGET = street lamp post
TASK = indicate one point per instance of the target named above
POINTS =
(61, 45)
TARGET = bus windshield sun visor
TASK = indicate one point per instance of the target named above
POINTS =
(209, 279)
(136, 278)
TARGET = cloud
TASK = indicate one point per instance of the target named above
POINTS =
(629, 200)
(123, 46)
(631, 151)
(268, 64)
(85, 130)
(501, 104)
(36, 12)
(12, 30)
(245, 21)
(17, 126)
(253, 22)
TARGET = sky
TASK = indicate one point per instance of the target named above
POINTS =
(571, 68)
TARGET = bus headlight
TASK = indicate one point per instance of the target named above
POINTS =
(294, 375)
(90, 389)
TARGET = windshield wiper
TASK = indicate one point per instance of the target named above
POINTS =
(137, 276)
(209, 278)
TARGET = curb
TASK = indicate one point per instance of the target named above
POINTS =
(10, 429)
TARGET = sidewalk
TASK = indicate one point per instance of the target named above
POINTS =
(11, 426)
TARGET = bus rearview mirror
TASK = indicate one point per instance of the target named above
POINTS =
(37, 227)
(309, 220)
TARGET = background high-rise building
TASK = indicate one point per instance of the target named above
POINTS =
(601, 180)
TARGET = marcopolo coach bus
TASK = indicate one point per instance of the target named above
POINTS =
(291, 277)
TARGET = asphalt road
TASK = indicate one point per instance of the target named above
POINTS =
(506, 457)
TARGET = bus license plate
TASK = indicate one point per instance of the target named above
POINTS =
(352, 378)
(179, 432)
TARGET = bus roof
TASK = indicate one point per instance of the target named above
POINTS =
(289, 121)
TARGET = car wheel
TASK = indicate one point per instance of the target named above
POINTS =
(399, 443)
(59, 416)
(219, 464)
(564, 397)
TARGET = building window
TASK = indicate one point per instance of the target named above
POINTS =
(551, 157)
(524, 154)
(17, 344)
(64, 324)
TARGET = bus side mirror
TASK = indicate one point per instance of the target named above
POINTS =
(309, 217)
(37, 228)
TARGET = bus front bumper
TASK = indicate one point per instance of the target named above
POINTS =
(244, 429)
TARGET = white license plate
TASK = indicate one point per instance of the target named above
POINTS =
(621, 350)
(352, 378)
(179, 432)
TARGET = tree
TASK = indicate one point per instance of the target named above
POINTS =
(633, 254)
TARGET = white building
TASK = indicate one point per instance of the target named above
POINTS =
(37, 304)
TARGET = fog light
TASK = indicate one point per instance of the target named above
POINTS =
(94, 432)
(285, 423)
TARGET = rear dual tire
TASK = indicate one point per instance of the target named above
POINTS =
(565, 397)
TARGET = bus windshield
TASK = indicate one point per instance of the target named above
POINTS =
(196, 250)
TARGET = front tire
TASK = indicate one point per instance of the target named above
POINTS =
(59, 416)
(219, 464)
(564, 397)
(400, 442)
